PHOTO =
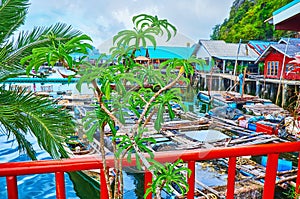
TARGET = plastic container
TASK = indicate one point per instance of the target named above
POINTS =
(232, 104)
(243, 123)
(252, 127)
(267, 128)
(283, 165)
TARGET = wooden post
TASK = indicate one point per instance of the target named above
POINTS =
(220, 83)
(257, 92)
(284, 94)
(224, 65)
(243, 83)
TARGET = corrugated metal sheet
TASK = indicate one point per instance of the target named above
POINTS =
(259, 46)
(290, 41)
(289, 5)
(291, 50)
(168, 52)
(240, 58)
(228, 51)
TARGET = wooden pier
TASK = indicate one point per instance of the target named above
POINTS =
(279, 90)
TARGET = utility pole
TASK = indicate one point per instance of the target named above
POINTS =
(235, 66)
(281, 74)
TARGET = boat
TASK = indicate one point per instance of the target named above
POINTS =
(73, 75)
(263, 108)
(77, 146)
(229, 98)
(272, 124)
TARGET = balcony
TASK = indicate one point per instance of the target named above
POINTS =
(59, 167)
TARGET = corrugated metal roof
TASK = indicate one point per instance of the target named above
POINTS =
(291, 50)
(243, 58)
(290, 41)
(219, 48)
(286, 7)
(259, 46)
(168, 52)
(141, 52)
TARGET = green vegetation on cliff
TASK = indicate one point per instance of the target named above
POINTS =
(246, 21)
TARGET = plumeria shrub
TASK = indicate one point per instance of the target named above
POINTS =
(122, 86)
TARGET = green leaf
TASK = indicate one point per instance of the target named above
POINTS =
(23, 113)
(171, 112)
(90, 133)
(107, 90)
(159, 120)
(129, 156)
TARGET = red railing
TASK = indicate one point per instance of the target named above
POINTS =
(12, 170)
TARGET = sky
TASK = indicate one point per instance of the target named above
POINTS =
(102, 19)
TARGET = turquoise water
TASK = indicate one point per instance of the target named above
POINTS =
(43, 186)
(40, 186)
(30, 186)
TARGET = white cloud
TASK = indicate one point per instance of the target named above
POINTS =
(102, 19)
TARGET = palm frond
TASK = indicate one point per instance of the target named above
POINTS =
(22, 113)
(38, 37)
(12, 14)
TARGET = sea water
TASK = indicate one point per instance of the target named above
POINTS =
(43, 185)
(40, 186)
(30, 186)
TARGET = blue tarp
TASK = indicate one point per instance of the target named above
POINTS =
(283, 165)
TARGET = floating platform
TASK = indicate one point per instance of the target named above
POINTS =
(231, 99)
(40, 80)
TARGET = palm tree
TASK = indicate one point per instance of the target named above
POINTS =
(23, 113)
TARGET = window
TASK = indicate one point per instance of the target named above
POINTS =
(272, 68)
(276, 68)
(269, 68)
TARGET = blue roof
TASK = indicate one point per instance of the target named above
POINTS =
(290, 41)
(285, 7)
(92, 54)
(168, 52)
(290, 50)
(141, 52)
(259, 46)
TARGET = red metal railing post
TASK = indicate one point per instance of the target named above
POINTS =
(231, 177)
(271, 171)
(103, 186)
(12, 187)
(191, 180)
(147, 182)
(60, 185)
(298, 178)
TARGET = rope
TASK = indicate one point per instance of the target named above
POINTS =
(212, 196)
